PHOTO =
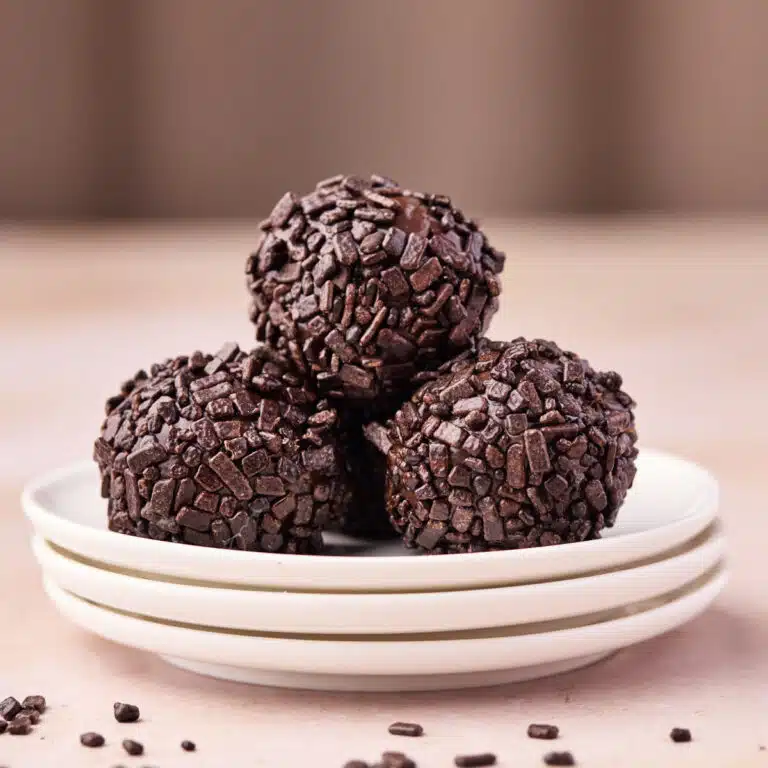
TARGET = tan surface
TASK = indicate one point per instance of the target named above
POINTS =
(680, 309)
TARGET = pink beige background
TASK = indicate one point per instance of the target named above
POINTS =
(191, 108)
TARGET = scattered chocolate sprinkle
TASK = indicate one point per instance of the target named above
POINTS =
(126, 713)
(31, 714)
(21, 725)
(133, 748)
(543, 731)
(472, 467)
(475, 761)
(680, 735)
(406, 729)
(559, 758)
(396, 760)
(188, 746)
(91, 739)
(9, 708)
(34, 702)
(356, 764)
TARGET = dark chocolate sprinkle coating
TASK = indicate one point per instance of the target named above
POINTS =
(232, 451)
(516, 445)
(365, 284)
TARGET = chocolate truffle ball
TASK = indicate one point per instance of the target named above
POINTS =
(517, 445)
(229, 451)
(365, 283)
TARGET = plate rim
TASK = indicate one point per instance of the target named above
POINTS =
(446, 681)
(279, 611)
(370, 657)
(713, 531)
(119, 549)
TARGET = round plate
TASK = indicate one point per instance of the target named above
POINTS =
(265, 611)
(384, 683)
(426, 654)
(672, 501)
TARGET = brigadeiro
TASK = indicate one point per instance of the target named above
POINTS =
(518, 444)
(232, 450)
(366, 283)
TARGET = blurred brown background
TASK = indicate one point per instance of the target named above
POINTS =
(193, 108)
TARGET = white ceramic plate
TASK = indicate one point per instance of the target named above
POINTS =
(384, 683)
(346, 663)
(672, 501)
(333, 613)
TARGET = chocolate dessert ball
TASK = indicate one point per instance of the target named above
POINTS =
(365, 283)
(517, 445)
(226, 451)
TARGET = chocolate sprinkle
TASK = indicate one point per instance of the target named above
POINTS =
(91, 739)
(406, 729)
(396, 760)
(543, 731)
(505, 448)
(21, 725)
(386, 281)
(559, 758)
(126, 713)
(475, 761)
(133, 748)
(9, 708)
(231, 451)
(188, 746)
(34, 702)
(680, 735)
(32, 714)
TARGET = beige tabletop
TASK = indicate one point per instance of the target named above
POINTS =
(680, 308)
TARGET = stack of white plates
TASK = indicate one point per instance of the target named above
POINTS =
(371, 617)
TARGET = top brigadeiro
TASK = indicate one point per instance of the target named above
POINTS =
(365, 284)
